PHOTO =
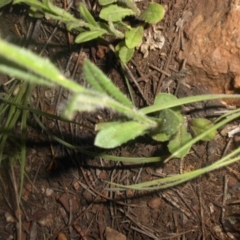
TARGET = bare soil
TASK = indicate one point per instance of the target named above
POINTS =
(66, 193)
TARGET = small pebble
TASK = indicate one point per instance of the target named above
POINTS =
(154, 203)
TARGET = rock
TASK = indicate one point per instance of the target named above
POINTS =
(49, 192)
(46, 220)
(9, 218)
(212, 45)
(61, 236)
(154, 203)
(65, 199)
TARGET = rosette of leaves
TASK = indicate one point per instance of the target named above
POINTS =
(163, 120)
(114, 15)
(174, 127)
(111, 21)
(167, 125)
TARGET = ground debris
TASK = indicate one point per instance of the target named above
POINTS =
(112, 234)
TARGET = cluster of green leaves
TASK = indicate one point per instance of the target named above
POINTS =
(111, 23)
(167, 123)
(173, 127)
(163, 120)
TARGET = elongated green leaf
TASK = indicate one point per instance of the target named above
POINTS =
(59, 12)
(49, 10)
(88, 102)
(15, 71)
(112, 27)
(134, 37)
(46, 70)
(132, 5)
(92, 100)
(118, 133)
(201, 125)
(39, 66)
(125, 54)
(37, 9)
(76, 25)
(106, 2)
(88, 36)
(34, 3)
(115, 13)
(87, 15)
(167, 182)
(27, 59)
(153, 13)
(100, 82)
(181, 138)
(186, 100)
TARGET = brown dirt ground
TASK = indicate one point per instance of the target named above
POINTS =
(65, 192)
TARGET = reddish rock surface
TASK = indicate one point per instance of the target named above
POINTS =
(212, 45)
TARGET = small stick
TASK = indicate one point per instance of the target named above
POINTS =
(160, 70)
(80, 231)
(136, 66)
(175, 219)
(53, 32)
(201, 212)
(182, 45)
(166, 65)
(224, 198)
(70, 215)
(144, 77)
(185, 202)
(144, 229)
(175, 204)
(18, 211)
(102, 195)
(135, 82)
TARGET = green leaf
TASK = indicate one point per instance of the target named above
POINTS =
(106, 2)
(125, 54)
(200, 125)
(36, 8)
(87, 15)
(114, 13)
(181, 138)
(28, 62)
(35, 13)
(49, 10)
(86, 102)
(134, 37)
(22, 73)
(186, 100)
(88, 36)
(170, 123)
(153, 13)
(130, 4)
(4, 2)
(58, 13)
(114, 30)
(75, 25)
(117, 133)
(166, 98)
(100, 82)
